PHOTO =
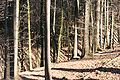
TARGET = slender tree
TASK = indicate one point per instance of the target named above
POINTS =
(97, 24)
(7, 61)
(16, 28)
(111, 31)
(29, 34)
(107, 25)
(105, 22)
(54, 34)
(47, 44)
(93, 30)
(101, 23)
(87, 24)
(76, 27)
(42, 29)
(61, 31)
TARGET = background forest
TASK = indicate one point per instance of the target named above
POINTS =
(78, 29)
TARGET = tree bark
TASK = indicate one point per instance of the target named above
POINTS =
(93, 30)
(61, 30)
(29, 35)
(42, 40)
(7, 60)
(97, 24)
(47, 44)
(105, 20)
(87, 24)
(54, 34)
(101, 23)
(111, 31)
(76, 26)
(16, 28)
(107, 25)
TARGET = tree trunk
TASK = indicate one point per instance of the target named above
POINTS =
(105, 20)
(54, 34)
(107, 25)
(61, 30)
(47, 42)
(7, 60)
(97, 24)
(101, 24)
(29, 35)
(93, 30)
(111, 31)
(16, 28)
(76, 26)
(42, 40)
(87, 24)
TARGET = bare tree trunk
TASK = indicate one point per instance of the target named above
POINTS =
(42, 34)
(97, 24)
(101, 24)
(29, 35)
(111, 31)
(61, 30)
(105, 20)
(7, 60)
(54, 34)
(107, 25)
(75, 43)
(93, 30)
(16, 28)
(87, 24)
(76, 26)
(47, 44)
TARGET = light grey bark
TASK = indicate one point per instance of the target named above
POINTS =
(87, 24)
(16, 28)
(93, 30)
(111, 31)
(101, 24)
(107, 25)
(29, 35)
(76, 26)
(97, 24)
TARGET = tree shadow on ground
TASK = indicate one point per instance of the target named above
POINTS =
(54, 78)
(102, 69)
(110, 52)
(112, 70)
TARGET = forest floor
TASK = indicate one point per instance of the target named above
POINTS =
(104, 66)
